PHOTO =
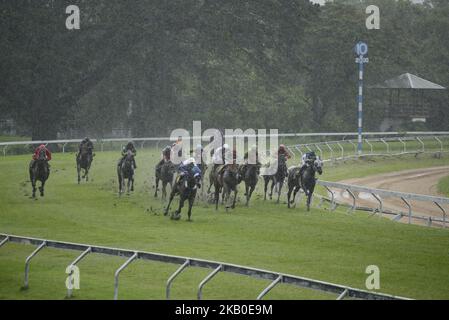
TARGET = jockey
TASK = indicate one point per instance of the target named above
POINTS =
(250, 157)
(189, 167)
(129, 146)
(166, 155)
(86, 143)
(198, 154)
(307, 158)
(37, 152)
(283, 151)
(177, 145)
(217, 158)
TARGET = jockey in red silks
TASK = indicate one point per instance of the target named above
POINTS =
(38, 150)
(283, 150)
(36, 155)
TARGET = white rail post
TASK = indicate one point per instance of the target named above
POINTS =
(444, 213)
(355, 147)
(353, 201)
(77, 260)
(173, 276)
(342, 149)
(271, 286)
(370, 145)
(403, 143)
(380, 203)
(206, 280)
(4, 241)
(440, 142)
(343, 294)
(388, 146)
(4, 150)
(28, 261)
(331, 150)
(409, 210)
(299, 149)
(422, 144)
(117, 273)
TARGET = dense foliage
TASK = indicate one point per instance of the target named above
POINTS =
(153, 66)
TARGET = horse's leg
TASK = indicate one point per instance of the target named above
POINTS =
(157, 186)
(273, 183)
(78, 167)
(235, 197)
(309, 196)
(217, 196)
(177, 214)
(281, 183)
(132, 182)
(266, 181)
(172, 195)
(41, 188)
(191, 200)
(247, 193)
(251, 190)
(294, 194)
(164, 190)
(290, 189)
(120, 183)
(33, 184)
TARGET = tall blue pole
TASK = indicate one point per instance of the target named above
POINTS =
(360, 106)
(361, 49)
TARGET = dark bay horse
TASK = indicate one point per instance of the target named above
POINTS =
(306, 181)
(40, 171)
(125, 170)
(276, 178)
(186, 187)
(83, 162)
(165, 174)
(226, 182)
(251, 177)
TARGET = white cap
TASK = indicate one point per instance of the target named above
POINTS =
(188, 161)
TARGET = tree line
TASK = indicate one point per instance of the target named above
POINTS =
(153, 66)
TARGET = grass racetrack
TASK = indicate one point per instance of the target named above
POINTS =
(328, 246)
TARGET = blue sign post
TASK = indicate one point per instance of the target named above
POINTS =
(361, 49)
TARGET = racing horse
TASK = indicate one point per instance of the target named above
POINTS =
(125, 170)
(305, 181)
(226, 182)
(83, 162)
(40, 171)
(186, 188)
(277, 178)
(250, 176)
(165, 174)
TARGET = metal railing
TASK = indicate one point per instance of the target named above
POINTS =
(184, 262)
(331, 151)
(141, 141)
(379, 194)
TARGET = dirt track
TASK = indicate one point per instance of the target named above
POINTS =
(420, 181)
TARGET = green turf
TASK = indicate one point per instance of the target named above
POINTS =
(443, 186)
(333, 247)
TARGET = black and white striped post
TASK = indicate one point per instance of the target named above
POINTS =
(361, 49)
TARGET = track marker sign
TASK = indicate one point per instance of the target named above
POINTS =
(361, 50)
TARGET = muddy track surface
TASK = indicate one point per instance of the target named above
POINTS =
(420, 181)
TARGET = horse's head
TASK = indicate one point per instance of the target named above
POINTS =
(129, 159)
(318, 166)
(42, 155)
(193, 181)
